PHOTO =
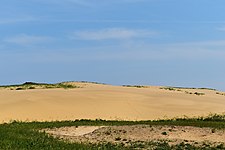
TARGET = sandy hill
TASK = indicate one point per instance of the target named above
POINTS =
(92, 101)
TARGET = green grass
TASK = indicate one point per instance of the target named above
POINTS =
(136, 86)
(33, 85)
(26, 135)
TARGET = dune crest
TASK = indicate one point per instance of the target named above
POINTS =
(93, 101)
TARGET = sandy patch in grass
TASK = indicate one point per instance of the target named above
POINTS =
(140, 133)
(72, 131)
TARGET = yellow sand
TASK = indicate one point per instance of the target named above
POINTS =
(95, 101)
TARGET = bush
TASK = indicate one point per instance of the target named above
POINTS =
(31, 87)
(20, 88)
(196, 93)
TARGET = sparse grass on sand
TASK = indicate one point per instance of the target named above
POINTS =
(27, 135)
(136, 86)
(181, 89)
(220, 93)
(33, 85)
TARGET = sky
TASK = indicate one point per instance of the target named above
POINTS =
(143, 42)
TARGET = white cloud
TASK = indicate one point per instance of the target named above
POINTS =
(113, 34)
(24, 39)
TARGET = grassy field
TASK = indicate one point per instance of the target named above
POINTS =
(26, 135)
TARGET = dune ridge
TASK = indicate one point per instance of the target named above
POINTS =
(101, 101)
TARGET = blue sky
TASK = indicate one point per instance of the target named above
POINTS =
(154, 42)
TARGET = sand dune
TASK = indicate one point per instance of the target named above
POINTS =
(94, 101)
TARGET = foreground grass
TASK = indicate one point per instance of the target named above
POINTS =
(26, 135)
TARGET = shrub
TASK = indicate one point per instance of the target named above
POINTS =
(117, 139)
(19, 88)
(31, 87)
(196, 93)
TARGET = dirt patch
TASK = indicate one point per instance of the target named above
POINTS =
(72, 131)
(127, 135)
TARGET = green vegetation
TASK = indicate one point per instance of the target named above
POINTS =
(33, 85)
(91, 82)
(197, 93)
(220, 93)
(26, 135)
(164, 133)
(180, 88)
(187, 92)
(195, 88)
(136, 86)
(168, 88)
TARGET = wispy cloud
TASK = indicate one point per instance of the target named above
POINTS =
(204, 50)
(135, 52)
(221, 29)
(89, 3)
(77, 2)
(117, 1)
(113, 34)
(85, 3)
(16, 20)
(187, 51)
(24, 39)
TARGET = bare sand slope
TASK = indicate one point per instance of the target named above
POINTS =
(106, 102)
